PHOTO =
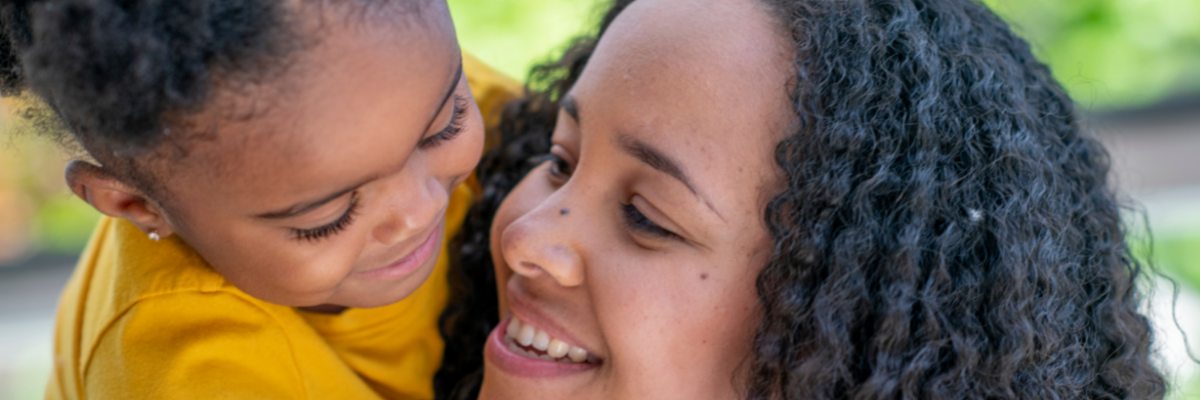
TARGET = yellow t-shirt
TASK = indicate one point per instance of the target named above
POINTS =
(151, 320)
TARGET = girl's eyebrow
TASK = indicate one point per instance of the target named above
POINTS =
(449, 92)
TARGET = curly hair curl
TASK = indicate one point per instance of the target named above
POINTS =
(945, 228)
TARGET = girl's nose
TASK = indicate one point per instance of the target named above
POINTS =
(411, 210)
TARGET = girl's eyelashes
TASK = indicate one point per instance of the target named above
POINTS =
(637, 222)
(457, 122)
(330, 229)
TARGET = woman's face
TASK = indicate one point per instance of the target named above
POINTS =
(627, 264)
(331, 185)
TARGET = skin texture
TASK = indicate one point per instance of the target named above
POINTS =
(665, 316)
(356, 110)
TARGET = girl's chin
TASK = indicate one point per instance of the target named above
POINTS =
(503, 355)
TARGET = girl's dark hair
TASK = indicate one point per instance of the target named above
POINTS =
(115, 71)
(945, 229)
(118, 74)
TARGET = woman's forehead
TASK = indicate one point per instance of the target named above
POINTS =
(718, 61)
(705, 84)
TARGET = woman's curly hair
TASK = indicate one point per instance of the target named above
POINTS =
(945, 228)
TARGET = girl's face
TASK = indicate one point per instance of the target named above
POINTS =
(627, 264)
(330, 186)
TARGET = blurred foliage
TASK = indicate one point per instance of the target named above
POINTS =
(37, 212)
(513, 35)
(1180, 257)
(1108, 53)
(1113, 53)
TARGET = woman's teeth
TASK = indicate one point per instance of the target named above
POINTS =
(536, 343)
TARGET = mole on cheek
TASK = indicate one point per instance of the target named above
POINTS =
(703, 276)
(564, 211)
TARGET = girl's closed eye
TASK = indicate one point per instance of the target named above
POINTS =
(457, 119)
(330, 229)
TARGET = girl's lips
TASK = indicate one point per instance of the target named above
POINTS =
(497, 353)
(409, 263)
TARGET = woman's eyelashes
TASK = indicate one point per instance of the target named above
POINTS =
(637, 222)
(560, 171)
(330, 229)
(559, 167)
(457, 122)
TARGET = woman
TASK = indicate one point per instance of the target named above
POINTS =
(806, 199)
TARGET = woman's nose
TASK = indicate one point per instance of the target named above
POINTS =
(542, 242)
(410, 210)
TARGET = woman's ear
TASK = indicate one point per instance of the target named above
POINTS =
(114, 198)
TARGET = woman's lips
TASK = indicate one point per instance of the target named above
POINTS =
(521, 356)
(409, 263)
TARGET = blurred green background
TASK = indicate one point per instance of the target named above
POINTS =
(1112, 55)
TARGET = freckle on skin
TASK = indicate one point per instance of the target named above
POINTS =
(703, 276)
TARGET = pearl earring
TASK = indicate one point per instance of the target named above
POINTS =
(154, 236)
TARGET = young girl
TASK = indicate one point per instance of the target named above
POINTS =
(804, 199)
(279, 179)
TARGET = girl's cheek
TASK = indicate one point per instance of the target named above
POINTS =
(466, 150)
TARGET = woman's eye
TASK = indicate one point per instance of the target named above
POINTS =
(559, 167)
(637, 222)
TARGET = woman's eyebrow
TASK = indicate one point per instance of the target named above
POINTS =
(658, 160)
(569, 105)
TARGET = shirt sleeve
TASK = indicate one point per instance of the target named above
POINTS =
(194, 345)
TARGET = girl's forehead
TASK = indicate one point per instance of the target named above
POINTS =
(360, 110)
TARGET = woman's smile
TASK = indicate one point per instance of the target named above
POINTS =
(522, 349)
(533, 342)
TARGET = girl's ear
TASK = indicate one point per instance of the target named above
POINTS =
(114, 198)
